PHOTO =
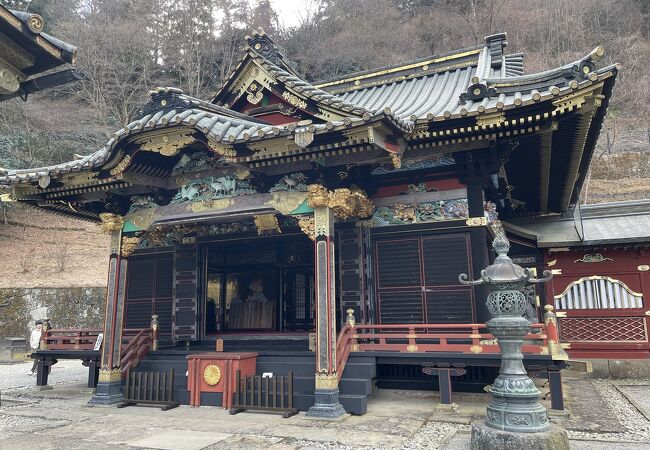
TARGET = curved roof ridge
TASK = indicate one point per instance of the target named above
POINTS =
(312, 92)
(396, 67)
(573, 68)
(35, 24)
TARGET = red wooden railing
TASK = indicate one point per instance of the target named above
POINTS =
(460, 338)
(70, 338)
(344, 345)
(136, 343)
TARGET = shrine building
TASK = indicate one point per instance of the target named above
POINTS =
(320, 228)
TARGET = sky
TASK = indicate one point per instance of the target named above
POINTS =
(290, 11)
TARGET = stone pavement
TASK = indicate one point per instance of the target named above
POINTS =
(602, 417)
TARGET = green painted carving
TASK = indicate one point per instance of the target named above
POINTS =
(291, 182)
(195, 162)
(139, 202)
(401, 214)
(212, 188)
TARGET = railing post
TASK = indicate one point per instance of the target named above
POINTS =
(552, 335)
(354, 347)
(77, 340)
(154, 332)
(350, 319)
(412, 346)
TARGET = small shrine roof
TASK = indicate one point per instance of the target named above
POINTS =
(605, 223)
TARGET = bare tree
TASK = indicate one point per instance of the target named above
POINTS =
(60, 255)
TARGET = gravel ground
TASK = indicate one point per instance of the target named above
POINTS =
(636, 426)
(418, 429)
(17, 376)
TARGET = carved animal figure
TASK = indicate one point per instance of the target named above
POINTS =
(223, 185)
(189, 191)
(140, 202)
(292, 182)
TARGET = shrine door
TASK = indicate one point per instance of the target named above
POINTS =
(298, 299)
(417, 279)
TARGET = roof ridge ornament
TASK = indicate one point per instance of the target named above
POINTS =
(495, 44)
(477, 91)
(585, 67)
(262, 44)
(163, 98)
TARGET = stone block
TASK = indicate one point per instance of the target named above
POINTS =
(486, 438)
(629, 368)
(620, 368)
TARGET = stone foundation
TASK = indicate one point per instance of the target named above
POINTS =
(326, 405)
(619, 368)
(486, 438)
(107, 393)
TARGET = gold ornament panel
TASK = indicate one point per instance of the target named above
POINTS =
(287, 201)
(212, 375)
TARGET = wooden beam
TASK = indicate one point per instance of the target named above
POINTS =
(573, 169)
(546, 140)
(146, 180)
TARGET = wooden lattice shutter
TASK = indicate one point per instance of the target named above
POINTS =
(399, 290)
(139, 293)
(351, 273)
(444, 257)
(185, 301)
(417, 279)
(163, 304)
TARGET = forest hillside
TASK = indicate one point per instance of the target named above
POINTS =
(128, 47)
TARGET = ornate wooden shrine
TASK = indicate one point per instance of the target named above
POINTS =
(268, 211)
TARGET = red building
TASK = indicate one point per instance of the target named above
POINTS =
(600, 256)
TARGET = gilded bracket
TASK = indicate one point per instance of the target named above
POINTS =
(129, 244)
(222, 149)
(346, 202)
(477, 221)
(111, 222)
(121, 166)
(308, 226)
(395, 150)
(166, 144)
(267, 224)
(490, 120)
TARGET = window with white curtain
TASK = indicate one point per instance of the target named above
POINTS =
(598, 292)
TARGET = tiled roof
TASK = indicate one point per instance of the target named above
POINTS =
(485, 81)
(607, 223)
(449, 94)
(211, 120)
